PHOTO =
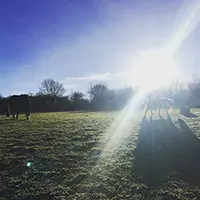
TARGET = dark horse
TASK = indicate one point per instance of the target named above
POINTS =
(16, 104)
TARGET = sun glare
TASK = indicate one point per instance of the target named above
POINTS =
(154, 69)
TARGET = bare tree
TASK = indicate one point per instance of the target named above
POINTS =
(77, 96)
(52, 88)
(97, 91)
(173, 89)
(98, 95)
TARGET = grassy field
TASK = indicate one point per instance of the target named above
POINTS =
(75, 156)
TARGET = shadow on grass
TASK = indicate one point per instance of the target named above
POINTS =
(11, 121)
(164, 149)
(189, 115)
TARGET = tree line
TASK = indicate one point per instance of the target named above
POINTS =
(52, 97)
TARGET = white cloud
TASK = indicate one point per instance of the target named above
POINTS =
(103, 76)
(114, 80)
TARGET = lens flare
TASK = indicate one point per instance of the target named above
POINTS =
(122, 126)
(155, 69)
(28, 164)
(189, 19)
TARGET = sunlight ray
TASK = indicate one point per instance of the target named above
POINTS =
(190, 20)
(125, 120)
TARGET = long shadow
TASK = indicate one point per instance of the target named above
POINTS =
(4, 119)
(165, 149)
(190, 115)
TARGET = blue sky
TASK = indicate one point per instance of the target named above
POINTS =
(82, 41)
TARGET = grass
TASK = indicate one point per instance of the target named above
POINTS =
(65, 156)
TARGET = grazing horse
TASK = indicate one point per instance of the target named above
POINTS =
(157, 103)
(17, 104)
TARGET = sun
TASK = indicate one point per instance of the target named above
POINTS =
(154, 69)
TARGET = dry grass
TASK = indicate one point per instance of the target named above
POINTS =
(160, 159)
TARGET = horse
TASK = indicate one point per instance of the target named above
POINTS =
(157, 103)
(17, 104)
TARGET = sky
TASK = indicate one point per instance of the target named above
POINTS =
(79, 42)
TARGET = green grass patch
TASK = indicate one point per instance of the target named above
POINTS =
(66, 156)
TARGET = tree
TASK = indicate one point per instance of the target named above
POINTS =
(78, 101)
(194, 92)
(173, 89)
(77, 96)
(52, 88)
(97, 91)
(194, 87)
(98, 95)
